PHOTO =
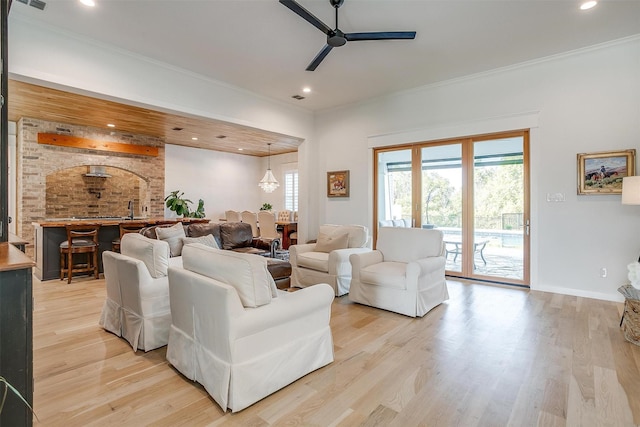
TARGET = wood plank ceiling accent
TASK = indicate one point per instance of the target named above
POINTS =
(92, 144)
(39, 102)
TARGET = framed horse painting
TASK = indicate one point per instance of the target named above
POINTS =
(602, 172)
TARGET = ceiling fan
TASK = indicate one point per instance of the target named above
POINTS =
(336, 38)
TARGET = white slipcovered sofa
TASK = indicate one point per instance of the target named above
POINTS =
(137, 303)
(327, 260)
(404, 274)
(236, 334)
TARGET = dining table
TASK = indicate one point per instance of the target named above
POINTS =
(286, 228)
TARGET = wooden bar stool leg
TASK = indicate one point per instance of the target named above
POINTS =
(62, 258)
(69, 266)
(95, 263)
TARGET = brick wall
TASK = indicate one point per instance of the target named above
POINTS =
(38, 164)
(69, 193)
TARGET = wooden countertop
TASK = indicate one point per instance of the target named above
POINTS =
(12, 258)
(16, 240)
(115, 221)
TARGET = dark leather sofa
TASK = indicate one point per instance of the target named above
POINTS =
(238, 237)
(234, 236)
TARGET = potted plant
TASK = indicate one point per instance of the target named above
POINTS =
(266, 207)
(176, 203)
(199, 212)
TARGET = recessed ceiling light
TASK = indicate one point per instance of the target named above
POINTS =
(306, 89)
(111, 125)
(89, 3)
(240, 149)
(194, 138)
(588, 5)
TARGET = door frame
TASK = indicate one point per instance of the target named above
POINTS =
(467, 197)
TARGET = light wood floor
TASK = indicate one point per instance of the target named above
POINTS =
(490, 356)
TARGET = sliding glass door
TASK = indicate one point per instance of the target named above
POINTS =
(474, 190)
(499, 221)
(442, 195)
(394, 201)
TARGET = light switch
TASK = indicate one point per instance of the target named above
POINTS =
(555, 197)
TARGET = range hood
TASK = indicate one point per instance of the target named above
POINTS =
(97, 171)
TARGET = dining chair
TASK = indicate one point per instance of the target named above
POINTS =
(232, 216)
(284, 216)
(268, 230)
(251, 218)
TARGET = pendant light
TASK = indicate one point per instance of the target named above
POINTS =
(269, 182)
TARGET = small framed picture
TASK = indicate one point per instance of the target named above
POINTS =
(602, 172)
(338, 184)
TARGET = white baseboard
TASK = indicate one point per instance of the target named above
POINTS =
(617, 297)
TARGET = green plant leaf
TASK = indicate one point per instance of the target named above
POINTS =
(8, 387)
(177, 204)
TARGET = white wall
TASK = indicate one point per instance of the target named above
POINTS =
(223, 180)
(586, 101)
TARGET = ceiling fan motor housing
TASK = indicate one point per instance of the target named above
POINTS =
(336, 38)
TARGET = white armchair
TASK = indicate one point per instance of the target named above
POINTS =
(230, 334)
(327, 260)
(404, 274)
(137, 304)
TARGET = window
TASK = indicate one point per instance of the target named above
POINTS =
(291, 190)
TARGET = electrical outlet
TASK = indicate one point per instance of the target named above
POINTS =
(603, 272)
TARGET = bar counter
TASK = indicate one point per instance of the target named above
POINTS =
(16, 351)
(50, 233)
(12, 258)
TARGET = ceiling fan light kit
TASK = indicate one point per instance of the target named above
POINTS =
(337, 38)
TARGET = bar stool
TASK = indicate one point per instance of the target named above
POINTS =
(127, 227)
(81, 239)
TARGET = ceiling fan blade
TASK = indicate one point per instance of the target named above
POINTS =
(319, 57)
(306, 15)
(381, 35)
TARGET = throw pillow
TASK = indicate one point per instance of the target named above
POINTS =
(173, 236)
(207, 240)
(154, 253)
(328, 243)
